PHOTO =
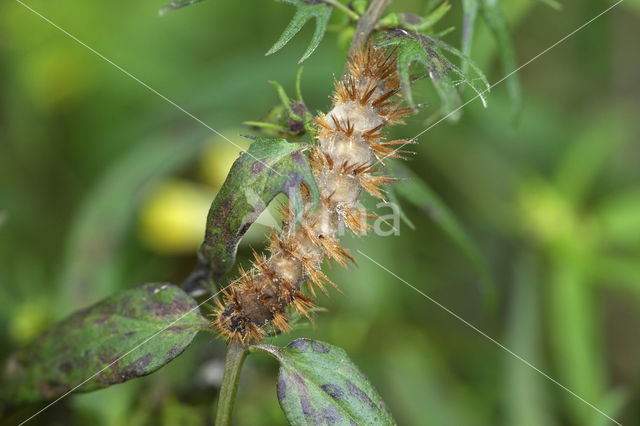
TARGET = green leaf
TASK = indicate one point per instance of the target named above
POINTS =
(428, 51)
(93, 250)
(412, 188)
(494, 18)
(393, 199)
(359, 6)
(618, 272)
(576, 336)
(552, 4)
(415, 22)
(319, 384)
(469, 15)
(178, 4)
(289, 119)
(525, 396)
(270, 167)
(587, 156)
(618, 219)
(87, 346)
(306, 9)
(432, 18)
(451, 101)
(613, 403)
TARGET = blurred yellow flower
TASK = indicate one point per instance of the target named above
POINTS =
(218, 157)
(172, 218)
(28, 321)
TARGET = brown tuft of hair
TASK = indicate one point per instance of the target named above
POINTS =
(345, 160)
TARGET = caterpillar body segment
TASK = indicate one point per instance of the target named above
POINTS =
(346, 158)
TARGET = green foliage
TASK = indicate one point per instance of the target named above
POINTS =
(580, 223)
(618, 220)
(289, 119)
(178, 4)
(93, 250)
(552, 3)
(319, 384)
(428, 51)
(494, 18)
(469, 15)
(269, 168)
(585, 159)
(525, 397)
(576, 247)
(417, 192)
(305, 10)
(100, 344)
(414, 22)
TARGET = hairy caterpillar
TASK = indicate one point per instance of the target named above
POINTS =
(343, 159)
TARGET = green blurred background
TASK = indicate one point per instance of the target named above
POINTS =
(104, 185)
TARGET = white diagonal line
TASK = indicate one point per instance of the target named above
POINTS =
(500, 345)
(502, 79)
(151, 89)
(122, 356)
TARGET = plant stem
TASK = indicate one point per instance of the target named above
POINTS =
(236, 354)
(343, 8)
(366, 24)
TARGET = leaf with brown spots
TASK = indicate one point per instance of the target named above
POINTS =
(270, 167)
(126, 336)
(318, 384)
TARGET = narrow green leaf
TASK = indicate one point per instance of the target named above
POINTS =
(451, 101)
(306, 10)
(428, 51)
(469, 15)
(466, 60)
(431, 5)
(298, 81)
(289, 119)
(393, 198)
(619, 272)
(319, 384)
(576, 337)
(92, 252)
(552, 4)
(359, 6)
(177, 4)
(412, 188)
(425, 368)
(494, 18)
(413, 22)
(390, 20)
(432, 18)
(619, 220)
(270, 167)
(88, 344)
(587, 155)
(526, 400)
(613, 403)
(267, 127)
(284, 99)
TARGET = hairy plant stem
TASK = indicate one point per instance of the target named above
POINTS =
(366, 24)
(236, 353)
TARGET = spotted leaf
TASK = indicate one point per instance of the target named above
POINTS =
(319, 384)
(123, 337)
(270, 167)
